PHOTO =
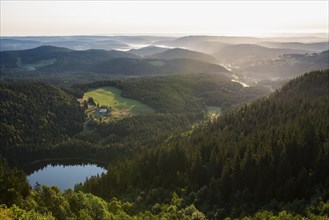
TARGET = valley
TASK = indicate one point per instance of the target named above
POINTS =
(164, 110)
(165, 132)
(118, 106)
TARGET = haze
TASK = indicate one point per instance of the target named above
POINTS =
(253, 18)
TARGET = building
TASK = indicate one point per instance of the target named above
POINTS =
(103, 112)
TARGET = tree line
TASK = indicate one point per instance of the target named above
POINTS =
(36, 116)
(272, 154)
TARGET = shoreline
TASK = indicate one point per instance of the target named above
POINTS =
(102, 163)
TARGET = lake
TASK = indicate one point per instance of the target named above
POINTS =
(64, 176)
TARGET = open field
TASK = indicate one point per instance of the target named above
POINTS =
(120, 106)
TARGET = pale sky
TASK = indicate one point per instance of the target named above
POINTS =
(28, 18)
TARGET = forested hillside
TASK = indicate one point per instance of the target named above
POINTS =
(272, 154)
(71, 42)
(39, 118)
(267, 159)
(147, 51)
(64, 67)
(19, 201)
(48, 62)
(61, 57)
(239, 54)
(137, 67)
(36, 116)
(179, 53)
(184, 93)
(285, 66)
(180, 102)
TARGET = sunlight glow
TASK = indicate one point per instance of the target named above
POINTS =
(162, 17)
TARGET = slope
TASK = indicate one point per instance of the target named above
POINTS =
(285, 66)
(64, 66)
(138, 67)
(70, 42)
(147, 51)
(36, 116)
(243, 53)
(178, 53)
(184, 93)
(272, 155)
(316, 47)
(60, 56)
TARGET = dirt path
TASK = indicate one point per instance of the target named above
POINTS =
(85, 125)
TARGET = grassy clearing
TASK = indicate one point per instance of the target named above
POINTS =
(120, 106)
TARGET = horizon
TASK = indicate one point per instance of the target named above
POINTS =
(164, 18)
(177, 35)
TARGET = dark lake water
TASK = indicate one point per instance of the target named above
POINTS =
(63, 176)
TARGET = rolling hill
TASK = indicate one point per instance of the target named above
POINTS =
(71, 42)
(269, 155)
(242, 53)
(17, 44)
(182, 93)
(315, 47)
(179, 53)
(285, 66)
(57, 56)
(48, 61)
(36, 116)
(188, 41)
(140, 67)
(17, 58)
(204, 44)
(147, 51)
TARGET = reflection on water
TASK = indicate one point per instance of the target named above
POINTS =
(63, 175)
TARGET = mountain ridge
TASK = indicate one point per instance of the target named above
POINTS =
(179, 53)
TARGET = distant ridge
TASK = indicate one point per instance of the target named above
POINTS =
(147, 51)
(71, 42)
(60, 54)
(47, 60)
(242, 53)
(286, 66)
(179, 53)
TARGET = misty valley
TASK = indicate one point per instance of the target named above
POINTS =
(164, 127)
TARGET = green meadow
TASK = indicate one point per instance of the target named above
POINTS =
(120, 106)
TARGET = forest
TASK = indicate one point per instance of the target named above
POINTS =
(164, 110)
(35, 117)
(62, 66)
(271, 154)
(263, 159)
(182, 93)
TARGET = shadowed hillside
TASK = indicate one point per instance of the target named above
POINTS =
(272, 155)
(178, 53)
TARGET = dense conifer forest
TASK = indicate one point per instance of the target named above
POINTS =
(164, 110)
(265, 159)
(36, 116)
(183, 93)
(271, 154)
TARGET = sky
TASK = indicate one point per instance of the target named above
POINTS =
(242, 18)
